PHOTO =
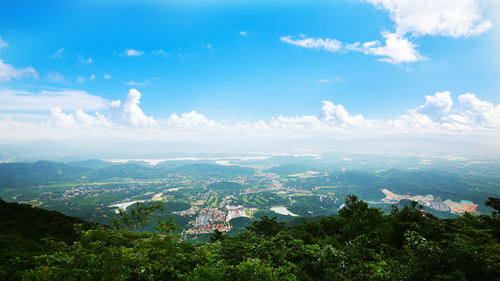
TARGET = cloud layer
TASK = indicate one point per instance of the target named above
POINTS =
(44, 100)
(438, 115)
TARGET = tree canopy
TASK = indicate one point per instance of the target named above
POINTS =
(361, 243)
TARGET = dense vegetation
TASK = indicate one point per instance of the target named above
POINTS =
(22, 229)
(360, 243)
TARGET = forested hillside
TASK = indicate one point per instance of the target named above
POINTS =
(23, 230)
(360, 243)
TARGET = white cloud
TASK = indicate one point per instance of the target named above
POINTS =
(85, 60)
(107, 76)
(243, 33)
(74, 120)
(190, 120)
(56, 77)
(474, 111)
(338, 116)
(58, 54)
(290, 124)
(58, 118)
(437, 106)
(160, 53)
(129, 111)
(331, 45)
(455, 18)
(45, 100)
(80, 79)
(334, 79)
(133, 53)
(92, 77)
(396, 49)
(9, 72)
(440, 114)
(133, 83)
(3, 44)
(145, 83)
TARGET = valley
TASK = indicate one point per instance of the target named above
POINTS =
(226, 195)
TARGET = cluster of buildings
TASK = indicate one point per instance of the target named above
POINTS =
(211, 219)
(209, 216)
(207, 221)
(76, 192)
(209, 228)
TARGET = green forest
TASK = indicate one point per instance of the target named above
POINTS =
(359, 243)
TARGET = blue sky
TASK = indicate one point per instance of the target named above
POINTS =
(229, 61)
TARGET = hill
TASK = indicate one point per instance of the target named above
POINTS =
(289, 169)
(38, 173)
(91, 164)
(23, 227)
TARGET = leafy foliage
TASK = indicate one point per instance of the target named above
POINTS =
(361, 243)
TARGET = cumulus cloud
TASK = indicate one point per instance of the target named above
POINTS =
(190, 120)
(133, 53)
(107, 76)
(455, 18)
(436, 107)
(475, 111)
(331, 45)
(74, 120)
(9, 72)
(129, 112)
(338, 116)
(396, 49)
(439, 114)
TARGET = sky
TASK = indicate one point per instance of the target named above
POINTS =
(253, 71)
